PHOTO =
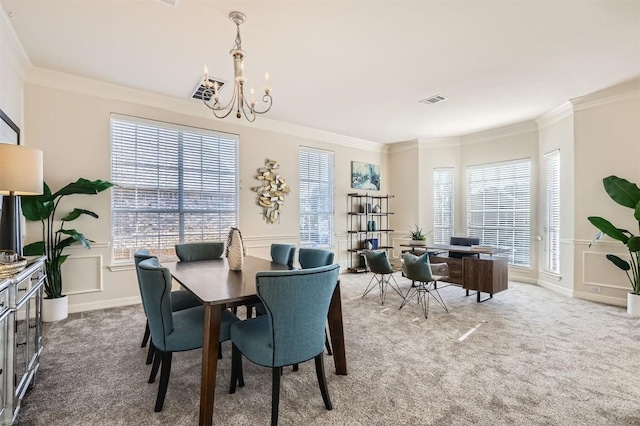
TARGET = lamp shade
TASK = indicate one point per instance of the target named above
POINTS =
(20, 170)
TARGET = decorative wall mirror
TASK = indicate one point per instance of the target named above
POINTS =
(9, 223)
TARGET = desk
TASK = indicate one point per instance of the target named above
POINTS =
(217, 287)
(484, 272)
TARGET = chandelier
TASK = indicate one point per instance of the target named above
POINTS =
(211, 96)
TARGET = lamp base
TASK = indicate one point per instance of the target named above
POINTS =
(10, 235)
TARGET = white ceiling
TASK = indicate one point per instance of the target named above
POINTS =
(351, 67)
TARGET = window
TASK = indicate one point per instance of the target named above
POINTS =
(442, 205)
(552, 212)
(316, 198)
(175, 184)
(498, 207)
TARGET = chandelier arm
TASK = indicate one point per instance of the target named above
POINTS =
(266, 99)
(250, 116)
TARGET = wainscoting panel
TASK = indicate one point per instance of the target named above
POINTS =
(82, 274)
(599, 271)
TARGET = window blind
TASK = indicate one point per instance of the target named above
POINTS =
(174, 184)
(552, 212)
(442, 205)
(316, 197)
(498, 207)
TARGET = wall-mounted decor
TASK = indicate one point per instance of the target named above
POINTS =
(365, 176)
(272, 191)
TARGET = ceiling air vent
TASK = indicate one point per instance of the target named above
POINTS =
(433, 100)
(198, 93)
(172, 3)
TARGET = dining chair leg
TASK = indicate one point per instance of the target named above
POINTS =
(326, 342)
(157, 359)
(322, 382)
(295, 367)
(237, 377)
(147, 334)
(275, 395)
(164, 379)
(152, 350)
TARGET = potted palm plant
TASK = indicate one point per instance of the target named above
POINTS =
(43, 208)
(626, 194)
(418, 238)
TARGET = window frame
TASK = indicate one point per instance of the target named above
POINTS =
(551, 251)
(167, 150)
(328, 242)
(441, 233)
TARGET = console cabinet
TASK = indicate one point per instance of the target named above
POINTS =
(368, 217)
(20, 335)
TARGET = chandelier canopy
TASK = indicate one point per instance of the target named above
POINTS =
(238, 102)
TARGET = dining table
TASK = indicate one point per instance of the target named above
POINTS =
(218, 288)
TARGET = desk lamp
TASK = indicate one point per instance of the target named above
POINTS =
(20, 174)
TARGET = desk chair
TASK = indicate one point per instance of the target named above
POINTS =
(425, 275)
(188, 252)
(171, 331)
(378, 263)
(463, 241)
(292, 329)
(180, 299)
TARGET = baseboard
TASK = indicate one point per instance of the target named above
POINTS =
(555, 288)
(616, 301)
(104, 304)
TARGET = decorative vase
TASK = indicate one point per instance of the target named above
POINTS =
(372, 225)
(55, 309)
(368, 245)
(633, 304)
(235, 249)
(376, 208)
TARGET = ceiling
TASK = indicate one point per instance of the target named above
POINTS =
(352, 67)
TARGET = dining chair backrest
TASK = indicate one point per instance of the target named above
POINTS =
(378, 261)
(297, 303)
(188, 252)
(138, 257)
(283, 254)
(417, 268)
(155, 284)
(312, 258)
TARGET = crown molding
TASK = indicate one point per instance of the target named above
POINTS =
(602, 98)
(86, 86)
(499, 133)
(439, 142)
(563, 111)
(398, 147)
(19, 57)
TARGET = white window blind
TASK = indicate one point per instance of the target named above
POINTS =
(498, 207)
(552, 212)
(175, 184)
(442, 205)
(316, 198)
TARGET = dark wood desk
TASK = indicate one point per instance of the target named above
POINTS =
(478, 270)
(217, 287)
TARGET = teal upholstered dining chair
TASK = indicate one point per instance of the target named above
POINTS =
(426, 275)
(282, 254)
(291, 331)
(189, 252)
(378, 263)
(180, 299)
(313, 258)
(171, 331)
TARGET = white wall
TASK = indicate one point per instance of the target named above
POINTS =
(607, 142)
(71, 124)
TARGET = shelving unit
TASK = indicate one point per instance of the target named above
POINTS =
(361, 216)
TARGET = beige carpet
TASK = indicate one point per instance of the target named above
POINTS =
(535, 358)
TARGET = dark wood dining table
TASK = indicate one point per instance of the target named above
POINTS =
(219, 288)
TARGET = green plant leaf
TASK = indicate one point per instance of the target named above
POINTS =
(634, 244)
(622, 191)
(34, 249)
(636, 214)
(605, 226)
(37, 207)
(76, 213)
(84, 186)
(73, 237)
(620, 263)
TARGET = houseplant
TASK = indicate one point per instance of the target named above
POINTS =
(417, 237)
(626, 194)
(43, 208)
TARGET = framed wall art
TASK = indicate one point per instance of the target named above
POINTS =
(365, 176)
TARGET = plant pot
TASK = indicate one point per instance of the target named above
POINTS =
(633, 304)
(55, 309)
(418, 242)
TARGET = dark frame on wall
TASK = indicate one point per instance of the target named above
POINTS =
(9, 223)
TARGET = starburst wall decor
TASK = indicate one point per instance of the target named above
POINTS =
(272, 191)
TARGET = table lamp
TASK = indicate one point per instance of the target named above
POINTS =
(20, 174)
